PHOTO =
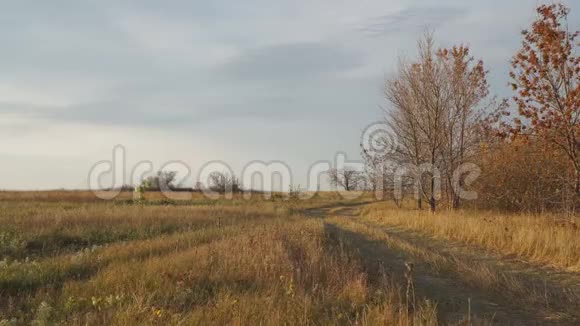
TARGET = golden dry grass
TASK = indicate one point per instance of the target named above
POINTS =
(549, 239)
(80, 261)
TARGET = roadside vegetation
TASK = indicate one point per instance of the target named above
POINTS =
(550, 239)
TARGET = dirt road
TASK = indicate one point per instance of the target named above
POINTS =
(468, 284)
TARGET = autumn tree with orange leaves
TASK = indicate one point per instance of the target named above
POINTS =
(546, 79)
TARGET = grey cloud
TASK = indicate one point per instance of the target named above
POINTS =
(130, 112)
(183, 107)
(411, 20)
(290, 62)
(240, 90)
(84, 45)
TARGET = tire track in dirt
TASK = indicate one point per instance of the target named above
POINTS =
(447, 273)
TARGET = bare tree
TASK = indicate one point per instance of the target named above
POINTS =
(420, 98)
(223, 182)
(469, 88)
(163, 180)
(380, 176)
(402, 120)
(346, 178)
(198, 186)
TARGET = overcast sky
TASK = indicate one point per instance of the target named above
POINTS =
(196, 81)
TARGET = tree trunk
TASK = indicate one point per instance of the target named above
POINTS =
(576, 204)
(577, 185)
(456, 199)
(419, 194)
(432, 202)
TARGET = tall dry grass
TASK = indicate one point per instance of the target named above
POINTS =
(258, 262)
(545, 239)
(41, 228)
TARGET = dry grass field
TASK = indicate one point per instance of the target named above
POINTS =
(67, 258)
(180, 119)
